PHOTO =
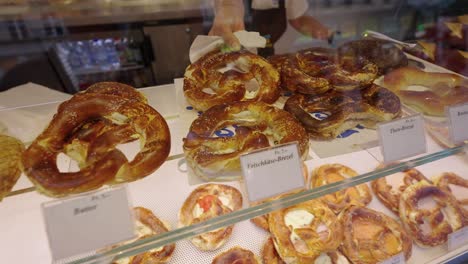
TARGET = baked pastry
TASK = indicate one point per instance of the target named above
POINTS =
(206, 202)
(367, 107)
(429, 225)
(229, 86)
(147, 225)
(236, 255)
(317, 70)
(371, 236)
(446, 179)
(10, 163)
(269, 253)
(330, 173)
(303, 231)
(390, 195)
(443, 89)
(382, 53)
(258, 125)
(87, 128)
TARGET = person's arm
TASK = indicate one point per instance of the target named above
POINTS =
(229, 18)
(310, 26)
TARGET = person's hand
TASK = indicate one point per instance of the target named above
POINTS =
(229, 18)
(309, 26)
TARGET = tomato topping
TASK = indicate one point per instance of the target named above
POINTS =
(205, 202)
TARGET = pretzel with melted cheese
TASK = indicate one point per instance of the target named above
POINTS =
(371, 236)
(229, 86)
(444, 217)
(330, 173)
(205, 202)
(303, 231)
(258, 126)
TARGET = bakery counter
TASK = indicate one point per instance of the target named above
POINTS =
(166, 191)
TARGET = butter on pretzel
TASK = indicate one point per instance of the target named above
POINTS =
(205, 202)
(389, 194)
(371, 236)
(147, 225)
(236, 255)
(88, 127)
(429, 225)
(441, 89)
(229, 86)
(330, 173)
(258, 126)
(446, 179)
(303, 231)
(343, 111)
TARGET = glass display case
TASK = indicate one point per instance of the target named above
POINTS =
(275, 151)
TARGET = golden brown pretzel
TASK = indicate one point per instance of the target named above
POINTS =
(443, 218)
(317, 70)
(10, 163)
(148, 225)
(100, 162)
(269, 253)
(389, 195)
(446, 178)
(330, 173)
(117, 89)
(371, 236)
(205, 202)
(236, 255)
(344, 111)
(230, 85)
(258, 126)
(302, 232)
(443, 89)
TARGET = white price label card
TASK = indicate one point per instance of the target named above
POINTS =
(457, 238)
(458, 122)
(272, 171)
(397, 259)
(402, 138)
(88, 222)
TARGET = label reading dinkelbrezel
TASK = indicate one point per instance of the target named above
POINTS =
(458, 120)
(272, 171)
(402, 138)
(88, 222)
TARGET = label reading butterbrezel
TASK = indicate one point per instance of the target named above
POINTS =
(397, 259)
(458, 122)
(272, 171)
(89, 222)
(457, 238)
(402, 138)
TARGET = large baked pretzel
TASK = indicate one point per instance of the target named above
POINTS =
(344, 111)
(304, 243)
(442, 89)
(330, 173)
(229, 86)
(444, 218)
(316, 70)
(118, 120)
(371, 236)
(258, 126)
(446, 179)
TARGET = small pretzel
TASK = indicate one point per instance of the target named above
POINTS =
(442, 89)
(344, 111)
(206, 202)
(443, 181)
(330, 173)
(113, 120)
(302, 242)
(371, 236)
(236, 255)
(230, 85)
(149, 225)
(258, 126)
(390, 196)
(444, 218)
